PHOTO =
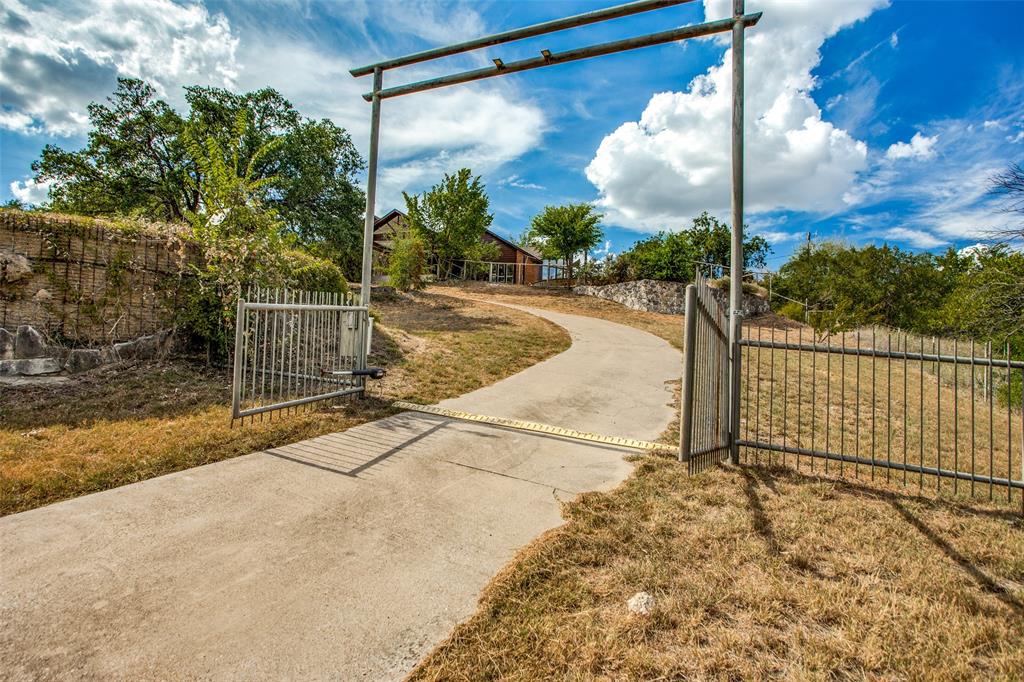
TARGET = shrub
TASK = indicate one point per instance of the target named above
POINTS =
(792, 310)
(749, 288)
(303, 270)
(407, 263)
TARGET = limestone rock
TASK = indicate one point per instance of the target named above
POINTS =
(30, 366)
(30, 343)
(654, 296)
(6, 345)
(147, 347)
(84, 359)
(42, 296)
(126, 351)
(640, 603)
(14, 267)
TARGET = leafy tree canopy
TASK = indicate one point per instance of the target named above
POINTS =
(451, 217)
(561, 232)
(674, 256)
(138, 160)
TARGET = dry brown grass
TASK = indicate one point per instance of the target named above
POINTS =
(108, 428)
(757, 572)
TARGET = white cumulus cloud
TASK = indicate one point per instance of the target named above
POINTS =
(675, 161)
(59, 57)
(920, 147)
(31, 192)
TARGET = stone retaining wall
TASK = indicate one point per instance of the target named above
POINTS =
(27, 352)
(87, 282)
(654, 296)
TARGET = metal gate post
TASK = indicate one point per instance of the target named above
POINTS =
(736, 259)
(371, 188)
(689, 351)
(236, 381)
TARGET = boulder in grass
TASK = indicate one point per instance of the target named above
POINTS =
(640, 603)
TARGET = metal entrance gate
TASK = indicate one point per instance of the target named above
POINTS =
(704, 428)
(293, 348)
(938, 413)
(945, 414)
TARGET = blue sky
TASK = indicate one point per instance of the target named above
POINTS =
(867, 121)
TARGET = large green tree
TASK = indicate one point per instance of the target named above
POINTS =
(852, 286)
(451, 217)
(674, 256)
(136, 161)
(562, 232)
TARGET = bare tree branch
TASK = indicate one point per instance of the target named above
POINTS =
(1010, 186)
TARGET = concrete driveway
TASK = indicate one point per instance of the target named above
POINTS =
(347, 556)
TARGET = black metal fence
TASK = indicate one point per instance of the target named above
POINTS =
(941, 414)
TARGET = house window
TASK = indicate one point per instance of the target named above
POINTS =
(502, 273)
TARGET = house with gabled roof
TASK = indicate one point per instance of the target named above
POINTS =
(515, 264)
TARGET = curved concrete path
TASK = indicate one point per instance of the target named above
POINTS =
(347, 556)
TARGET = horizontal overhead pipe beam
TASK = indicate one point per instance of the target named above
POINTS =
(548, 59)
(584, 19)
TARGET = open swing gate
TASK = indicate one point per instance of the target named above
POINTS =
(704, 416)
(294, 348)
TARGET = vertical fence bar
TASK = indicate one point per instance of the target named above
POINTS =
(888, 404)
(273, 348)
(236, 384)
(956, 415)
(746, 402)
(974, 468)
(906, 406)
(814, 391)
(785, 391)
(256, 345)
(758, 394)
(856, 412)
(283, 379)
(828, 398)
(938, 412)
(1009, 424)
(991, 423)
(263, 345)
(920, 434)
(874, 412)
(842, 404)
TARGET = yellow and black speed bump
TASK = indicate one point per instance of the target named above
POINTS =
(518, 424)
